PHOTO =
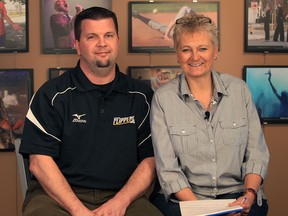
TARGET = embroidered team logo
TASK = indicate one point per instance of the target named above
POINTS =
(78, 119)
(124, 120)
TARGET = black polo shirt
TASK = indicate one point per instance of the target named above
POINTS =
(97, 137)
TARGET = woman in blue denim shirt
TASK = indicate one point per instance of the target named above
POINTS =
(206, 132)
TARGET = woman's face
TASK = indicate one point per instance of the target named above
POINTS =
(196, 54)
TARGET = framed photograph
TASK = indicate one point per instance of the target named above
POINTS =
(266, 26)
(57, 23)
(14, 26)
(55, 72)
(150, 24)
(154, 76)
(269, 88)
(16, 89)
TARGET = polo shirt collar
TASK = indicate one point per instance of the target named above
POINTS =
(83, 84)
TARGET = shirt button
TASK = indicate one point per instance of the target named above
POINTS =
(211, 141)
(213, 159)
(213, 178)
(234, 124)
(102, 111)
(183, 131)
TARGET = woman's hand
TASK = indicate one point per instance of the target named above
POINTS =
(245, 202)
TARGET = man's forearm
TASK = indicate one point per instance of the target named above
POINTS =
(139, 182)
(54, 183)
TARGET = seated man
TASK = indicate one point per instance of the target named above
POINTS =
(87, 133)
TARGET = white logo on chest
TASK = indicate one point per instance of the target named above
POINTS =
(78, 118)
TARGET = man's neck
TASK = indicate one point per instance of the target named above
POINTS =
(100, 76)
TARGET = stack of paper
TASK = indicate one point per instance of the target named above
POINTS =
(208, 207)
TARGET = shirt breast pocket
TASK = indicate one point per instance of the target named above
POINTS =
(235, 132)
(184, 138)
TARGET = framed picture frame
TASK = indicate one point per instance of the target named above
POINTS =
(149, 22)
(16, 89)
(269, 88)
(57, 34)
(264, 26)
(55, 72)
(154, 76)
(14, 36)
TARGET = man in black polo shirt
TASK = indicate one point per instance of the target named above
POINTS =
(87, 133)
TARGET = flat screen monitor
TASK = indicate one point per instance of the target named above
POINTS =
(269, 88)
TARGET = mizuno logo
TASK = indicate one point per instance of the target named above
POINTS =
(78, 118)
(124, 120)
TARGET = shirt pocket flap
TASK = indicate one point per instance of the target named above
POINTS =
(230, 124)
(183, 130)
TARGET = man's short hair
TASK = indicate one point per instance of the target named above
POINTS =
(94, 13)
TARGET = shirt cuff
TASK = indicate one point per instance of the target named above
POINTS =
(174, 187)
(254, 168)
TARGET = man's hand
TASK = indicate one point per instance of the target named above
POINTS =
(136, 186)
(83, 212)
(113, 207)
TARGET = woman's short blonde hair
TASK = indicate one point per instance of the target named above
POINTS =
(195, 23)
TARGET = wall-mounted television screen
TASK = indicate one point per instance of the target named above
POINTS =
(269, 88)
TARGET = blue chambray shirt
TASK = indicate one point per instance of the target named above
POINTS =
(210, 156)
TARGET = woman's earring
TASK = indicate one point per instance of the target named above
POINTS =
(215, 57)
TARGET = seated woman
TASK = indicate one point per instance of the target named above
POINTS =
(206, 132)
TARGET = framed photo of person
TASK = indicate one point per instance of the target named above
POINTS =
(265, 30)
(154, 76)
(16, 89)
(269, 88)
(57, 23)
(150, 24)
(55, 72)
(14, 26)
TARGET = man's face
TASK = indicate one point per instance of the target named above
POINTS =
(99, 43)
(61, 6)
